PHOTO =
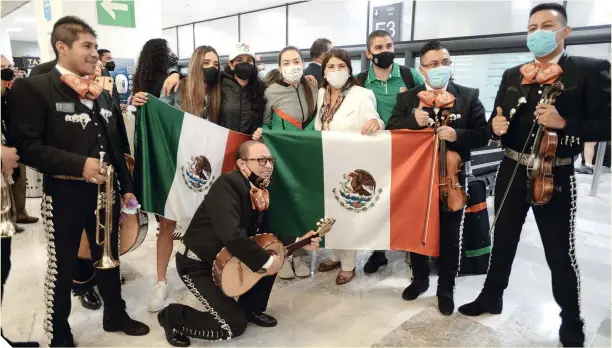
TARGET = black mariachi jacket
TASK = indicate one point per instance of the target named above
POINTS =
(226, 219)
(470, 128)
(584, 104)
(55, 133)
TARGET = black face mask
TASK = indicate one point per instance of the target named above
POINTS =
(211, 75)
(7, 74)
(110, 66)
(244, 71)
(173, 59)
(257, 180)
(383, 60)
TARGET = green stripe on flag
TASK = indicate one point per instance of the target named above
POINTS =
(296, 188)
(156, 140)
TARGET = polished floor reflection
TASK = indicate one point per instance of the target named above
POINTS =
(369, 311)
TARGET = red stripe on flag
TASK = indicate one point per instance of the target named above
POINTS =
(234, 140)
(411, 161)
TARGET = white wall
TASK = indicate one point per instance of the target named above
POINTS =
(24, 49)
(6, 45)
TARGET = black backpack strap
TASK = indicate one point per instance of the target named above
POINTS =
(362, 77)
(406, 74)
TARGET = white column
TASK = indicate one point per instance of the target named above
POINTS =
(7, 51)
(121, 41)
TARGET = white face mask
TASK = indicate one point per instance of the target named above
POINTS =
(292, 73)
(337, 79)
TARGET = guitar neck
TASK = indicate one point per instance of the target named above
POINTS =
(299, 244)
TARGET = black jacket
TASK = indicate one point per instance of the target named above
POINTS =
(47, 137)
(239, 111)
(315, 70)
(470, 128)
(584, 104)
(226, 219)
(43, 68)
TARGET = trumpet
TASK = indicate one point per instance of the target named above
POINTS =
(7, 226)
(106, 200)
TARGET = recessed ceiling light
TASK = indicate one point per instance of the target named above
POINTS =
(25, 19)
(13, 30)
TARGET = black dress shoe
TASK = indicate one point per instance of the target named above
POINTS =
(90, 300)
(21, 344)
(571, 333)
(415, 289)
(446, 304)
(175, 339)
(27, 220)
(126, 325)
(481, 306)
(262, 319)
(376, 261)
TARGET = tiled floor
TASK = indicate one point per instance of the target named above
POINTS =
(368, 311)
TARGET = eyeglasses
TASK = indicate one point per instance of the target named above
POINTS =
(445, 62)
(262, 161)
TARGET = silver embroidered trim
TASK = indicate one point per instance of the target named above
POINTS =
(212, 335)
(492, 234)
(50, 279)
(461, 234)
(572, 239)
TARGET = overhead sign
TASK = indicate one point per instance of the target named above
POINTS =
(118, 13)
(47, 9)
(389, 19)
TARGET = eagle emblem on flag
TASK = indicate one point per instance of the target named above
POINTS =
(357, 191)
(197, 174)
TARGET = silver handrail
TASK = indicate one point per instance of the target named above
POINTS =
(601, 151)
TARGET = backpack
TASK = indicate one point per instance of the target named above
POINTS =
(405, 73)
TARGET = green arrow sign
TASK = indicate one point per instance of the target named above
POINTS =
(118, 13)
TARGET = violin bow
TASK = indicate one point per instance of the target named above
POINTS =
(431, 183)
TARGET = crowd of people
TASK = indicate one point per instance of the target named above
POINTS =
(58, 121)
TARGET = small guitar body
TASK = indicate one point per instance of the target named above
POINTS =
(235, 278)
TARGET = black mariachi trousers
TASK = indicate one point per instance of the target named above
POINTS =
(225, 317)
(556, 223)
(68, 206)
(451, 228)
(84, 276)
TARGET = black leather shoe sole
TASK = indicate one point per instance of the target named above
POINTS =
(176, 340)
(130, 328)
(262, 320)
(479, 307)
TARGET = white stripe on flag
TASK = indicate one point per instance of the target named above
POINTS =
(198, 138)
(343, 153)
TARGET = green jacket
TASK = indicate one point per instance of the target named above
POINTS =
(287, 108)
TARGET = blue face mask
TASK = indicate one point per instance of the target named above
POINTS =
(438, 77)
(542, 42)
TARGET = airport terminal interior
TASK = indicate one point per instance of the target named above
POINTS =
(484, 39)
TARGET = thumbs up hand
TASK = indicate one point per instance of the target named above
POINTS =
(500, 123)
(422, 117)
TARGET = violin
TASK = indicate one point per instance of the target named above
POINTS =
(452, 193)
(540, 184)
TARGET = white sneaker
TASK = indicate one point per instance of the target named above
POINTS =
(158, 297)
(286, 271)
(300, 267)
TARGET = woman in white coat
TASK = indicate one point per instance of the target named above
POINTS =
(344, 106)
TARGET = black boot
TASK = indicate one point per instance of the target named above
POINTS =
(125, 324)
(376, 261)
(571, 333)
(415, 289)
(481, 306)
(261, 319)
(174, 338)
(446, 304)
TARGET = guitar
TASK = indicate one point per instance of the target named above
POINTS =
(234, 278)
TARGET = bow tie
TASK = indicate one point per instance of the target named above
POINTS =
(540, 73)
(436, 99)
(85, 88)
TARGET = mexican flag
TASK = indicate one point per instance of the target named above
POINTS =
(376, 187)
(178, 157)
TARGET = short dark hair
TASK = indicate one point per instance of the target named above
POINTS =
(67, 30)
(243, 150)
(102, 51)
(343, 56)
(377, 33)
(550, 6)
(433, 45)
(319, 47)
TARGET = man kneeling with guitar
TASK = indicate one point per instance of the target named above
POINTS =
(232, 212)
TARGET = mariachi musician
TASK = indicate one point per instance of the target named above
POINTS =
(581, 113)
(62, 121)
(460, 122)
(227, 217)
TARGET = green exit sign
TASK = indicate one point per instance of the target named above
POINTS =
(118, 13)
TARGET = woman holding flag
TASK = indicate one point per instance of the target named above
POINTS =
(344, 106)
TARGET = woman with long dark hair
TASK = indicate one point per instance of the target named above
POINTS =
(154, 62)
(344, 106)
